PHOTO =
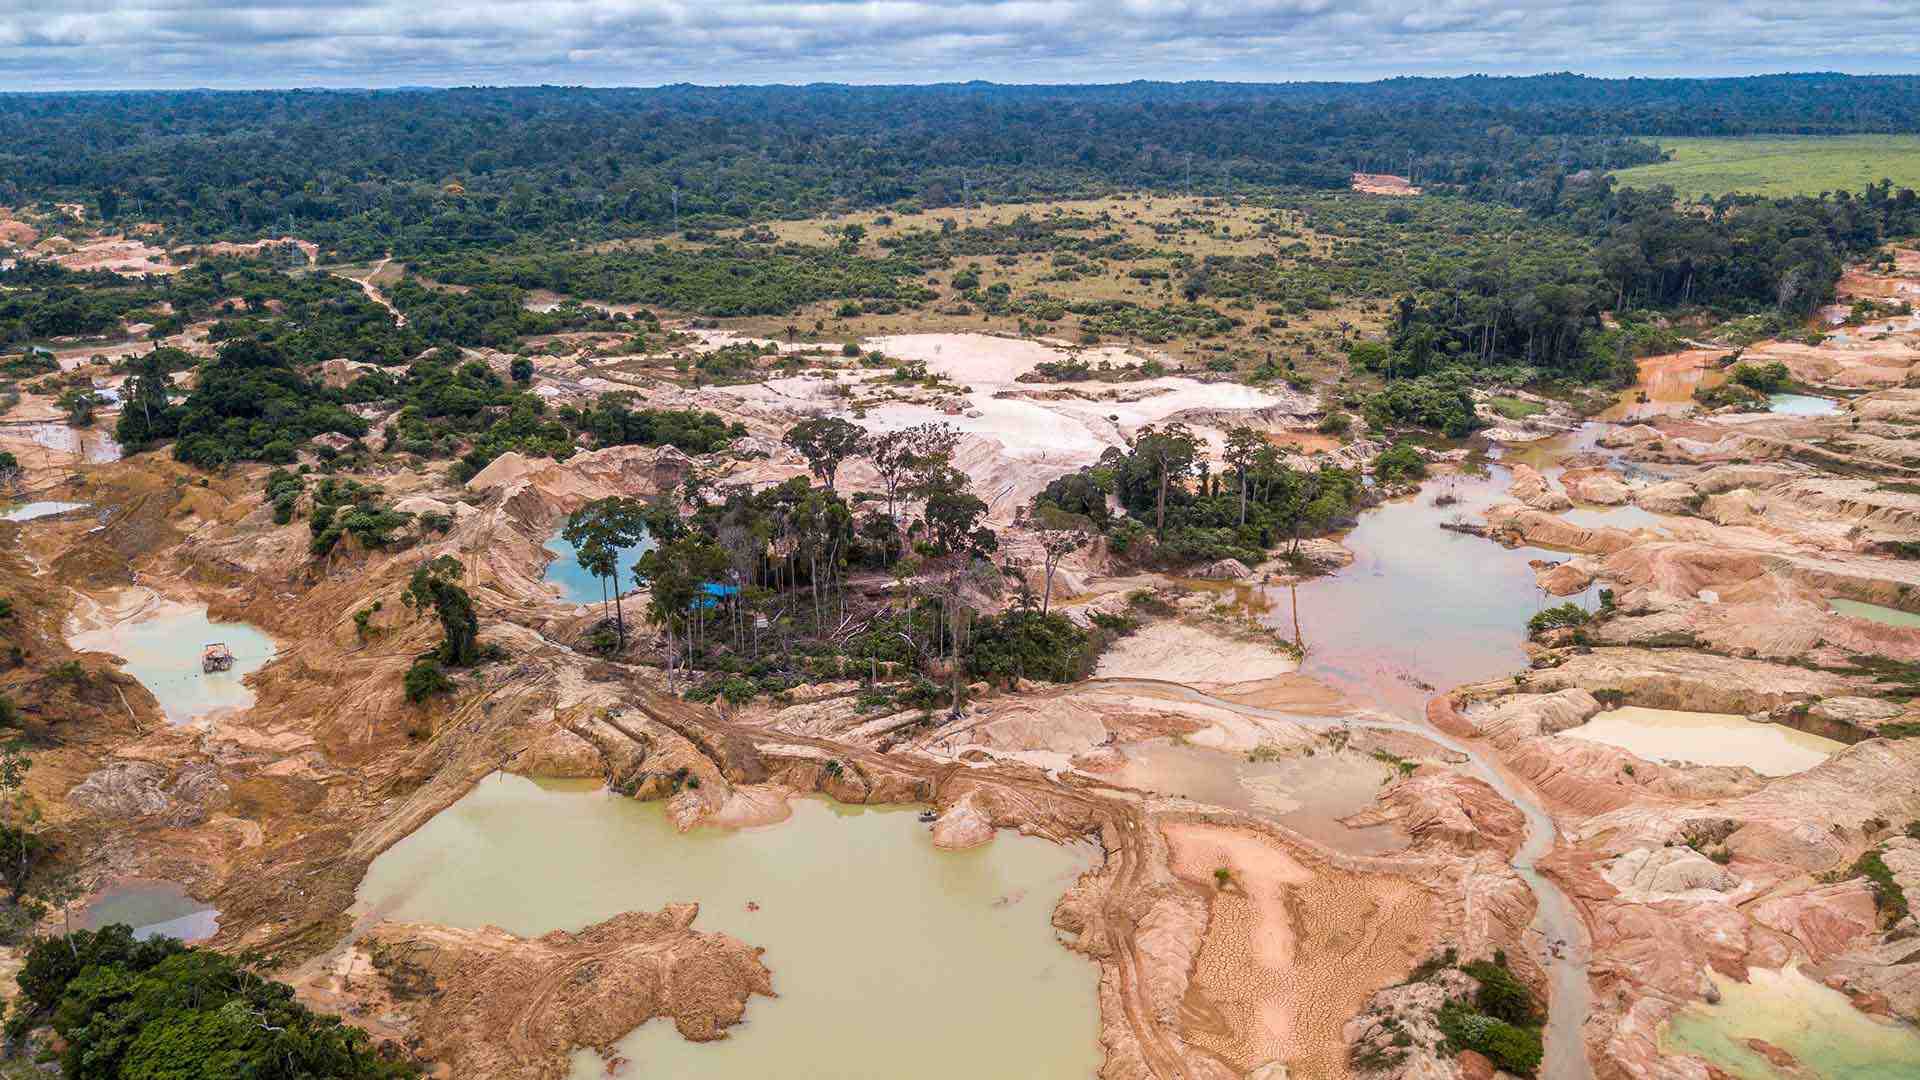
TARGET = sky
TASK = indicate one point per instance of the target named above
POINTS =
(133, 44)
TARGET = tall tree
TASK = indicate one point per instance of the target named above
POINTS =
(1243, 443)
(1057, 544)
(599, 532)
(825, 442)
(435, 585)
(1170, 454)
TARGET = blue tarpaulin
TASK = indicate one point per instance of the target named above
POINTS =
(715, 592)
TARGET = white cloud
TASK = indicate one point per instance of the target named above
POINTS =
(47, 44)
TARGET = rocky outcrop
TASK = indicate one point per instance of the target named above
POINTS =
(127, 791)
(1530, 489)
(488, 1003)
(1690, 681)
(1447, 809)
(1224, 570)
(963, 825)
(1507, 720)
(1646, 874)
(1600, 487)
(1396, 1037)
(1668, 497)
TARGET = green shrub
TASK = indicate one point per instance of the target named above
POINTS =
(1026, 644)
(1767, 378)
(425, 679)
(1565, 615)
(1502, 996)
(1510, 1047)
(1400, 464)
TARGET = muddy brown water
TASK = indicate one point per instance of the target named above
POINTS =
(1309, 794)
(1421, 607)
(161, 647)
(1698, 738)
(152, 908)
(891, 957)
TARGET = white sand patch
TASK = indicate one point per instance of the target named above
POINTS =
(1182, 653)
(972, 359)
(1063, 423)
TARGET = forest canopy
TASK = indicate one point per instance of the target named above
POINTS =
(420, 172)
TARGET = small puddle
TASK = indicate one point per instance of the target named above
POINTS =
(153, 909)
(45, 508)
(1698, 738)
(161, 646)
(1802, 405)
(1307, 794)
(580, 587)
(1854, 609)
(891, 957)
(1819, 1027)
(94, 445)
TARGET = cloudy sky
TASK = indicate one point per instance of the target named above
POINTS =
(71, 44)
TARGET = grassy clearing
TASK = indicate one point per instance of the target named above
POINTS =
(1516, 408)
(1780, 165)
(1174, 230)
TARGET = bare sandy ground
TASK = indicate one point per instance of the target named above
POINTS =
(1383, 184)
(1290, 954)
(1042, 430)
(1176, 652)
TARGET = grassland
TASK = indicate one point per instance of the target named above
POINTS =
(1780, 165)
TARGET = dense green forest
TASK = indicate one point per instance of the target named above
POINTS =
(431, 171)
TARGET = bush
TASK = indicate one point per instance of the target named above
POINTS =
(1402, 464)
(1026, 644)
(425, 679)
(1439, 402)
(1502, 996)
(1334, 423)
(1515, 1049)
(1554, 618)
(1766, 378)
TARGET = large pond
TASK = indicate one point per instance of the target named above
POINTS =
(1422, 607)
(1819, 1027)
(1309, 794)
(1698, 738)
(161, 646)
(153, 909)
(891, 957)
(579, 586)
(1854, 609)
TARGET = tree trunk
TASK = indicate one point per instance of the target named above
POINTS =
(1160, 510)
